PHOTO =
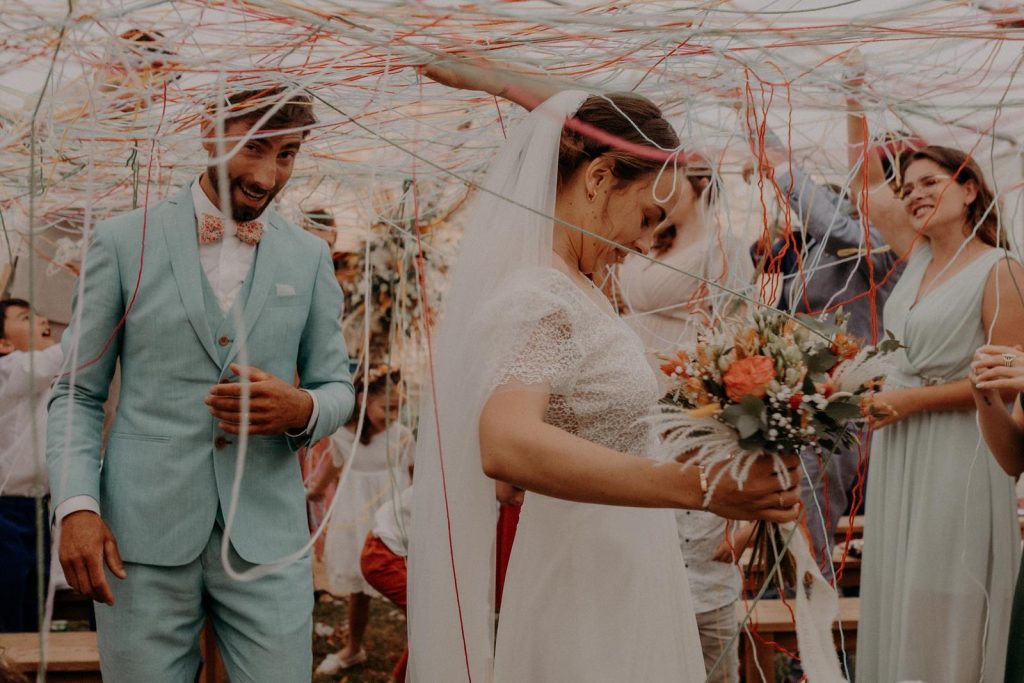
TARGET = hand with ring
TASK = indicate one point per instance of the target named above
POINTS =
(996, 368)
(765, 494)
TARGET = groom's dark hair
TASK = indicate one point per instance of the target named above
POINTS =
(252, 105)
(626, 118)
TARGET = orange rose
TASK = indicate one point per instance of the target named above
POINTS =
(845, 346)
(749, 377)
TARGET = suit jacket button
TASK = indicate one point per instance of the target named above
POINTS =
(223, 341)
(220, 442)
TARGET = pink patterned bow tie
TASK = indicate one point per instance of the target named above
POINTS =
(211, 229)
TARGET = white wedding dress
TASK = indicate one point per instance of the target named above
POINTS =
(593, 592)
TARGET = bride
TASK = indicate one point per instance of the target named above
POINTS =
(537, 383)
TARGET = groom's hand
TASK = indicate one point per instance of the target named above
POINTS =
(275, 406)
(86, 544)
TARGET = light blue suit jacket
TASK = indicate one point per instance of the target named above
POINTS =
(167, 466)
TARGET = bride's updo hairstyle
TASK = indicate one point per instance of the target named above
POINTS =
(625, 117)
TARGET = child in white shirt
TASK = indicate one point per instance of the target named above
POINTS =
(29, 361)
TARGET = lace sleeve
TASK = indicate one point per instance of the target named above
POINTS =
(534, 335)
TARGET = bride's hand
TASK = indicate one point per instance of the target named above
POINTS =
(762, 497)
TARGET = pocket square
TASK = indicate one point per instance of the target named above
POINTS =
(285, 290)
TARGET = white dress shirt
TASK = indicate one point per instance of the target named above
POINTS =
(226, 263)
(22, 376)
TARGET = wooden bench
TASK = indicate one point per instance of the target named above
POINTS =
(850, 578)
(844, 525)
(772, 621)
(70, 605)
(857, 525)
(70, 657)
(73, 657)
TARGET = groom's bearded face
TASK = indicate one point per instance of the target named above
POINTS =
(257, 171)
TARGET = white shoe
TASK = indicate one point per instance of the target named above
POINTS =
(333, 663)
(330, 666)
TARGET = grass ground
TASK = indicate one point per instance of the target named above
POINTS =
(384, 641)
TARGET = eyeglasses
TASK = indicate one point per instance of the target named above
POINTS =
(925, 183)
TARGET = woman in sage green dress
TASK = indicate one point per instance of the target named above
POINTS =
(997, 370)
(941, 542)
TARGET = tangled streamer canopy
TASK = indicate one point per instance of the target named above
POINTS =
(102, 101)
(102, 105)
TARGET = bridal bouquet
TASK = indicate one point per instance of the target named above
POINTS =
(772, 386)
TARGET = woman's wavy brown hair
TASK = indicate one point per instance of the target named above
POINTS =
(983, 212)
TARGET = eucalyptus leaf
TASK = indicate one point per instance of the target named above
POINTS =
(821, 360)
(822, 327)
(746, 417)
(842, 411)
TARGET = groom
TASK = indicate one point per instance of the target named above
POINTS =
(218, 299)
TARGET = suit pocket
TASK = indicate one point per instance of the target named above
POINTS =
(158, 497)
(152, 438)
(285, 301)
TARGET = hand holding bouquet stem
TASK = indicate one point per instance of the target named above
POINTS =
(763, 496)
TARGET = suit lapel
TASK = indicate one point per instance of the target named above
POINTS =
(263, 277)
(179, 228)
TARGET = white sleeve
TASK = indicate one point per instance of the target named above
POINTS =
(75, 504)
(313, 415)
(17, 380)
(534, 336)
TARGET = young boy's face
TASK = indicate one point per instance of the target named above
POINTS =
(18, 331)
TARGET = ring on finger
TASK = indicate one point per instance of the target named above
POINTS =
(1008, 359)
(782, 503)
